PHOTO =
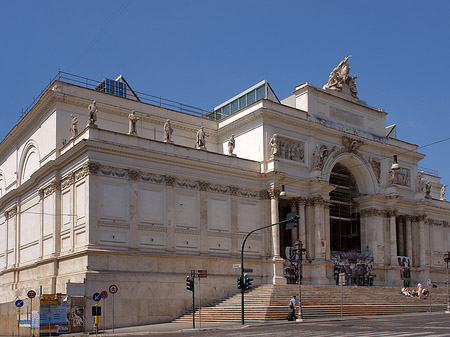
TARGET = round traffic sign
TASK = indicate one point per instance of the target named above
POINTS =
(97, 297)
(19, 303)
(113, 289)
(31, 294)
(104, 294)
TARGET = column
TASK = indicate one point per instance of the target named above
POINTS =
(318, 227)
(422, 242)
(401, 236)
(309, 228)
(274, 196)
(409, 242)
(302, 221)
(391, 214)
(294, 231)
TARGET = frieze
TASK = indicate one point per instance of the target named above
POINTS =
(153, 228)
(50, 189)
(401, 176)
(264, 194)
(170, 181)
(234, 190)
(113, 171)
(67, 181)
(219, 234)
(186, 231)
(133, 174)
(284, 148)
(186, 183)
(203, 185)
(114, 225)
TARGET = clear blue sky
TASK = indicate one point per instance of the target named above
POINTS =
(204, 52)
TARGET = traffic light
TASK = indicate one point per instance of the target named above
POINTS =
(240, 283)
(247, 282)
(190, 283)
(292, 223)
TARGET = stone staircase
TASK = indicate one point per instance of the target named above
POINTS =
(270, 302)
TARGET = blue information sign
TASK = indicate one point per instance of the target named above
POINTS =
(19, 303)
(97, 297)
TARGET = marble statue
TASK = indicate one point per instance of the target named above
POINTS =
(74, 126)
(168, 132)
(132, 120)
(420, 182)
(339, 79)
(92, 108)
(200, 139)
(428, 190)
(231, 145)
(443, 189)
(274, 146)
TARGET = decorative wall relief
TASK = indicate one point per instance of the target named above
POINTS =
(401, 176)
(320, 155)
(376, 167)
(352, 145)
(284, 148)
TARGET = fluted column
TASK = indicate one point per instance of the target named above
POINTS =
(391, 214)
(274, 196)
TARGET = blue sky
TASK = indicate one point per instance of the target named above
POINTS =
(204, 52)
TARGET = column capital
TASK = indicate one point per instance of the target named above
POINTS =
(390, 213)
(370, 212)
(274, 192)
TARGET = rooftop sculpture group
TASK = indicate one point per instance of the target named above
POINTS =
(339, 80)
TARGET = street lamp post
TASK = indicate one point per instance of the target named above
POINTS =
(299, 249)
(447, 260)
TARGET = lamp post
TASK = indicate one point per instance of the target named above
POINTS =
(447, 260)
(299, 249)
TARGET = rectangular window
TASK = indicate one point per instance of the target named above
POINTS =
(250, 97)
(226, 110)
(234, 106)
(261, 92)
(242, 102)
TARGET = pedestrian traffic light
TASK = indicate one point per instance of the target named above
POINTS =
(247, 282)
(190, 283)
(240, 283)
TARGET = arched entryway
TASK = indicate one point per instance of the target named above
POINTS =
(345, 229)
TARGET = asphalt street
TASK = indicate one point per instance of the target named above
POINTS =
(426, 324)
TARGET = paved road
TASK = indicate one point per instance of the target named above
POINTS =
(426, 325)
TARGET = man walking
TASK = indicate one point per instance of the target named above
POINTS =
(292, 303)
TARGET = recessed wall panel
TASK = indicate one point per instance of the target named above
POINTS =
(187, 210)
(115, 201)
(152, 206)
(219, 214)
(248, 216)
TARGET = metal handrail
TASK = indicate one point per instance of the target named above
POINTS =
(143, 97)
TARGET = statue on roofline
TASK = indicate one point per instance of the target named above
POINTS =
(339, 80)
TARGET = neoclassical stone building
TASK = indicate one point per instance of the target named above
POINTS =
(151, 189)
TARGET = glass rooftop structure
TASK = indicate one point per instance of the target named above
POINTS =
(261, 90)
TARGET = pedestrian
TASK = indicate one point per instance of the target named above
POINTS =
(419, 289)
(292, 303)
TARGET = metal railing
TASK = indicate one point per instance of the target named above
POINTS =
(143, 97)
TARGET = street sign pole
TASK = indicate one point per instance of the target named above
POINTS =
(242, 258)
(199, 306)
(113, 290)
(31, 317)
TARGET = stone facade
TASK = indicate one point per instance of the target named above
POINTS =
(141, 205)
